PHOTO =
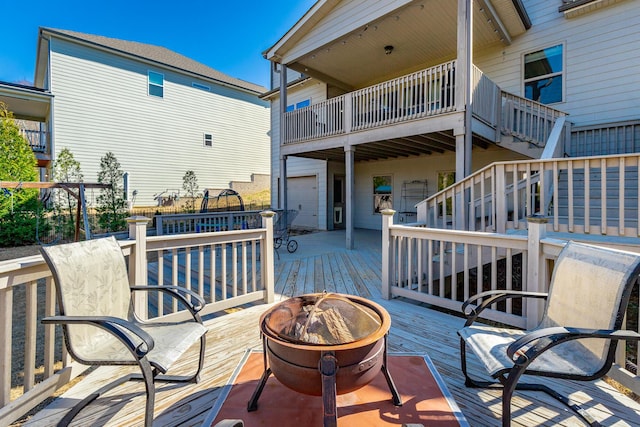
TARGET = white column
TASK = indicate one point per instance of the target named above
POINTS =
(463, 84)
(283, 183)
(349, 154)
(138, 263)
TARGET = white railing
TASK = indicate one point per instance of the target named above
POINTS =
(227, 269)
(205, 222)
(315, 121)
(602, 140)
(527, 120)
(486, 100)
(425, 93)
(421, 94)
(445, 267)
(590, 195)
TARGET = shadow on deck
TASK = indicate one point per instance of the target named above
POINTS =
(322, 263)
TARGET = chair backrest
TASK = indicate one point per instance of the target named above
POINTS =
(91, 280)
(590, 288)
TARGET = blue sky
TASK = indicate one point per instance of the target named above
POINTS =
(228, 36)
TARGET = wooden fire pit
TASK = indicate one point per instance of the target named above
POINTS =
(339, 351)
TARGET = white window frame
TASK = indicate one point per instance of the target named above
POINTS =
(562, 74)
(207, 140)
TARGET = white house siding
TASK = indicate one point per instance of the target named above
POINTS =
(296, 166)
(101, 105)
(415, 168)
(600, 78)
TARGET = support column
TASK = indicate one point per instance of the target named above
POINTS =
(283, 183)
(282, 203)
(464, 85)
(349, 154)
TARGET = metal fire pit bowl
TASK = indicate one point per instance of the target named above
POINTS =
(321, 369)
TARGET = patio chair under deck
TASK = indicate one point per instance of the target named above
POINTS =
(100, 326)
(576, 339)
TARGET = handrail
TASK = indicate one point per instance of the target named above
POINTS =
(580, 195)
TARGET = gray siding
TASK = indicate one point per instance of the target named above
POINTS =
(101, 105)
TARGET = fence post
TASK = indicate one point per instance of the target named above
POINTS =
(387, 222)
(268, 274)
(535, 263)
(138, 263)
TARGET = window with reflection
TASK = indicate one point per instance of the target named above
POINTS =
(382, 193)
(544, 75)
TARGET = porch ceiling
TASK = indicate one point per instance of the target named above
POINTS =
(422, 33)
(410, 146)
(26, 102)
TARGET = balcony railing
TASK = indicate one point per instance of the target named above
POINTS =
(227, 269)
(424, 93)
(38, 140)
(417, 95)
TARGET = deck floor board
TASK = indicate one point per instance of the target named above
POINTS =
(415, 328)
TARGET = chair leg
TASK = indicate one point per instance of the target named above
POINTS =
(147, 373)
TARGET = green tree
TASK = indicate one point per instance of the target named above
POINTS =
(190, 185)
(66, 169)
(111, 203)
(19, 213)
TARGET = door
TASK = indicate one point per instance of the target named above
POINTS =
(302, 196)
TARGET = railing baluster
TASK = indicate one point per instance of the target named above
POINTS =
(587, 196)
(621, 196)
(603, 196)
(212, 274)
(31, 316)
(570, 197)
(49, 329)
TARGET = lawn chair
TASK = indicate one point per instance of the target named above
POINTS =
(282, 231)
(577, 337)
(100, 327)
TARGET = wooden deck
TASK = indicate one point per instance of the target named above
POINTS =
(322, 263)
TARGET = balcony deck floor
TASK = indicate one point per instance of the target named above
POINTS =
(322, 263)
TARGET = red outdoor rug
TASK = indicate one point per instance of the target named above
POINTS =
(425, 399)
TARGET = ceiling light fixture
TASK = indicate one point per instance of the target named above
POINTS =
(388, 49)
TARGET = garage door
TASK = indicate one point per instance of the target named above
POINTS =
(302, 195)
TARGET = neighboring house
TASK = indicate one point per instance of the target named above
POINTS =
(387, 102)
(159, 112)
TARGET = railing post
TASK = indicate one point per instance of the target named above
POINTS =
(387, 222)
(535, 264)
(138, 263)
(268, 274)
(347, 112)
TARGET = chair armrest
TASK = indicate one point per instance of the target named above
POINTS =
(120, 328)
(194, 305)
(492, 297)
(526, 348)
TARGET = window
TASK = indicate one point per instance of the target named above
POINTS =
(445, 179)
(543, 75)
(156, 84)
(382, 193)
(208, 140)
(202, 87)
(300, 104)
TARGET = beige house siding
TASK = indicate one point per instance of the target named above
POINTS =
(101, 105)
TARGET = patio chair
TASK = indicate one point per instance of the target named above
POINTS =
(99, 324)
(577, 336)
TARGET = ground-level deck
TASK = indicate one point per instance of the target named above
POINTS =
(322, 263)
